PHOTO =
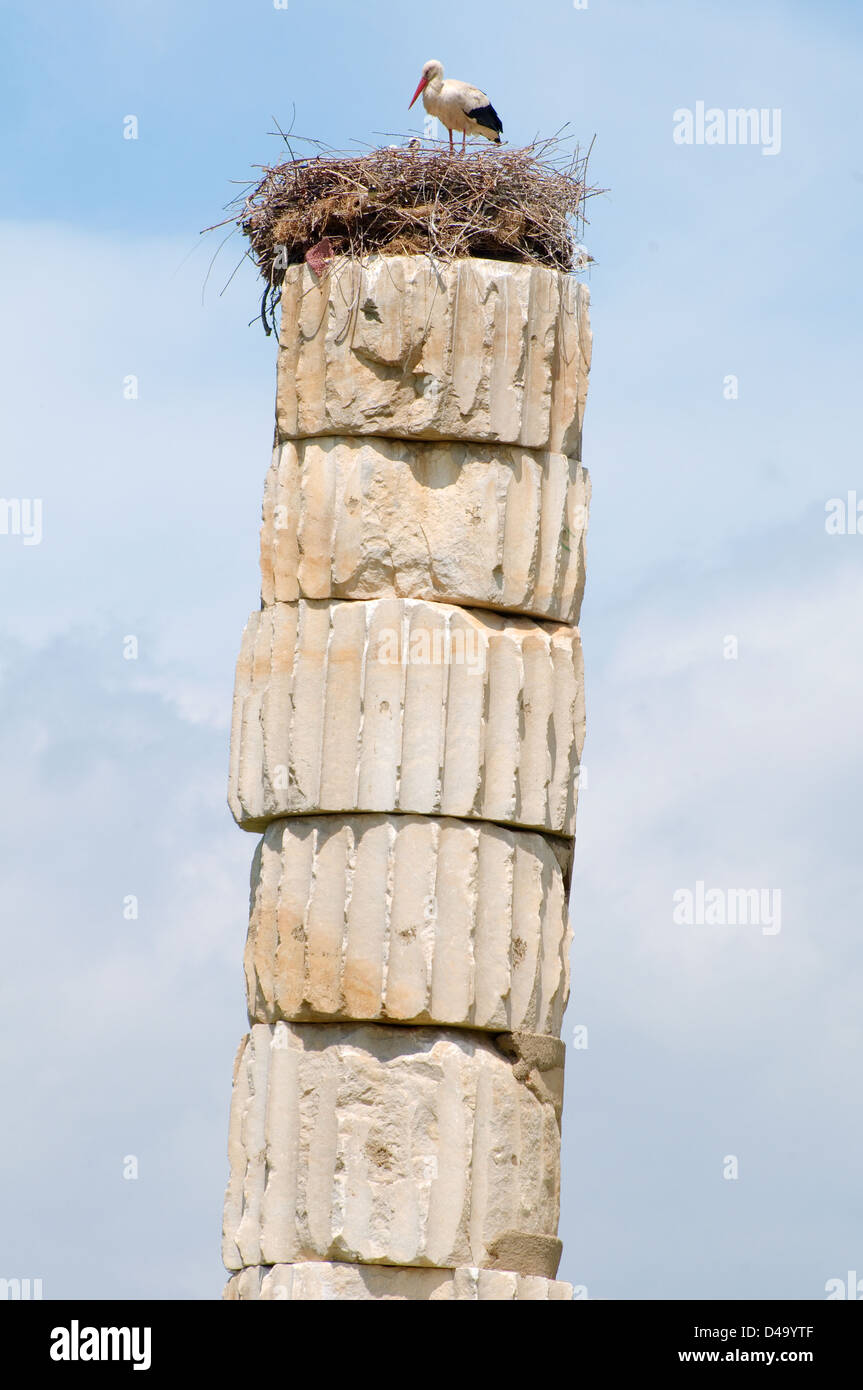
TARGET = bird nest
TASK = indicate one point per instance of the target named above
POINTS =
(524, 205)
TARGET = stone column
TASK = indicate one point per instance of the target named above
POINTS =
(408, 724)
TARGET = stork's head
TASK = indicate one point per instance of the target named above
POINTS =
(432, 72)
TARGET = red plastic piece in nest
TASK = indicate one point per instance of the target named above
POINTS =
(318, 257)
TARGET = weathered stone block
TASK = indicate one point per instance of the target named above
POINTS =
(410, 920)
(497, 527)
(403, 705)
(475, 350)
(323, 1281)
(403, 1146)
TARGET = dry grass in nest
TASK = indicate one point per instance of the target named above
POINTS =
(524, 205)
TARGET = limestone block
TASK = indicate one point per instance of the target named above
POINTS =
(496, 527)
(403, 705)
(401, 346)
(322, 1280)
(407, 919)
(385, 1145)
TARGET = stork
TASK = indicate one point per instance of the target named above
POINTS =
(457, 105)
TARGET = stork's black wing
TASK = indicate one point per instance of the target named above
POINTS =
(487, 117)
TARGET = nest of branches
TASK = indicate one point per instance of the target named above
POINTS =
(524, 205)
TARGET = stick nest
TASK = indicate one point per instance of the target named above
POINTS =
(524, 205)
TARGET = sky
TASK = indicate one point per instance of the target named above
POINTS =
(711, 1136)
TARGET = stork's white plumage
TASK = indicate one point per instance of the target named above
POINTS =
(457, 105)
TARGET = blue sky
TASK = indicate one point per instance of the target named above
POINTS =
(117, 1036)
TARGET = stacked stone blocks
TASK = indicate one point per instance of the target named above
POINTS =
(407, 730)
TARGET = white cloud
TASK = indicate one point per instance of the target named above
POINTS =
(739, 774)
(123, 1030)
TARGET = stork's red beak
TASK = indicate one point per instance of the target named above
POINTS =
(423, 83)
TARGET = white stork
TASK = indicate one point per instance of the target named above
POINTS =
(457, 105)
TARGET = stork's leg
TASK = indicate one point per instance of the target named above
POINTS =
(450, 140)
(463, 139)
